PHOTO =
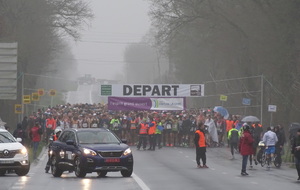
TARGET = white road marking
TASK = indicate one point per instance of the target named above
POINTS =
(140, 182)
(224, 173)
(180, 152)
(212, 168)
(19, 183)
(255, 183)
(16, 187)
(187, 156)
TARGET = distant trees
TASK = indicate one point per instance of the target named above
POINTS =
(210, 40)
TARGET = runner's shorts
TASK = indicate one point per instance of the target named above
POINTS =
(270, 150)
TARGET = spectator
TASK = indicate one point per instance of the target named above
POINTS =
(19, 132)
(296, 152)
(245, 147)
(35, 136)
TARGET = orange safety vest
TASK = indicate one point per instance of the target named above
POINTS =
(143, 129)
(259, 125)
(133, 124)
(50, 123)
(229, 124)
(201, 142)
(55, 137)
(152, 129)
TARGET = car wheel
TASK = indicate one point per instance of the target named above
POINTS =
(23, 171)
(79, 171)
(127, 173)
(102, 173)
(56, 172)
(2, 172)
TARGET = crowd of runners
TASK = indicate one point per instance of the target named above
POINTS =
(174, 128)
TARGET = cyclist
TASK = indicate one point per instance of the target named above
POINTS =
(270, 139)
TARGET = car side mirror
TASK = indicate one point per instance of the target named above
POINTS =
(19, 140)
(70, 142)
(124, 141)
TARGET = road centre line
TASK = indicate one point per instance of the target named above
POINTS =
(140, 182)
(17, 187)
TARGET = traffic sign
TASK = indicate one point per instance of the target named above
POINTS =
(106, 90)
(246, 101)
(26, 101)
(18, 108)
(223, 98)
(26, 97)
(41, 92)
(35, 96)
(272, 108)
(52, 92)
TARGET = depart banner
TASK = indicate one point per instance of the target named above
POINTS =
(152, 90)
(141, 104)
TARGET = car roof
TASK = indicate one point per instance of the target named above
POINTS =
(88, 129)
(3, 130)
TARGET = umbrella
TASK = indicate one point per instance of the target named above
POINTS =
(223, 111)
(250, 118)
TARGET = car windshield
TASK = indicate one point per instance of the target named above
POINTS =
(97, 137)
(6, 137)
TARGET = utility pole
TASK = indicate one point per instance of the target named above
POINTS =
(22, 114)
(261, 99)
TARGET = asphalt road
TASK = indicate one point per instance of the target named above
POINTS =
(167, 168)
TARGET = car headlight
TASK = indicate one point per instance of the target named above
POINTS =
(24, 151)
(127, 152)
(87, 151)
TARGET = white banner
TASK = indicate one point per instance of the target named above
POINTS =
(167, 104)
(152, 90)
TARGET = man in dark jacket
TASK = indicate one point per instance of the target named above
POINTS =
(279, 144)
(19, 132)
(296, 152)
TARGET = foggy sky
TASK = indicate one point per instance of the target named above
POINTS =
(102, 46)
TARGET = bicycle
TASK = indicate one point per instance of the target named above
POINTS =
(266, 160)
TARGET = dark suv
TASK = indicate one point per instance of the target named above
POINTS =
(90, 150)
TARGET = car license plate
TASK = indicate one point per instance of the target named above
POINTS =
(6, 161)
(110, 160)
